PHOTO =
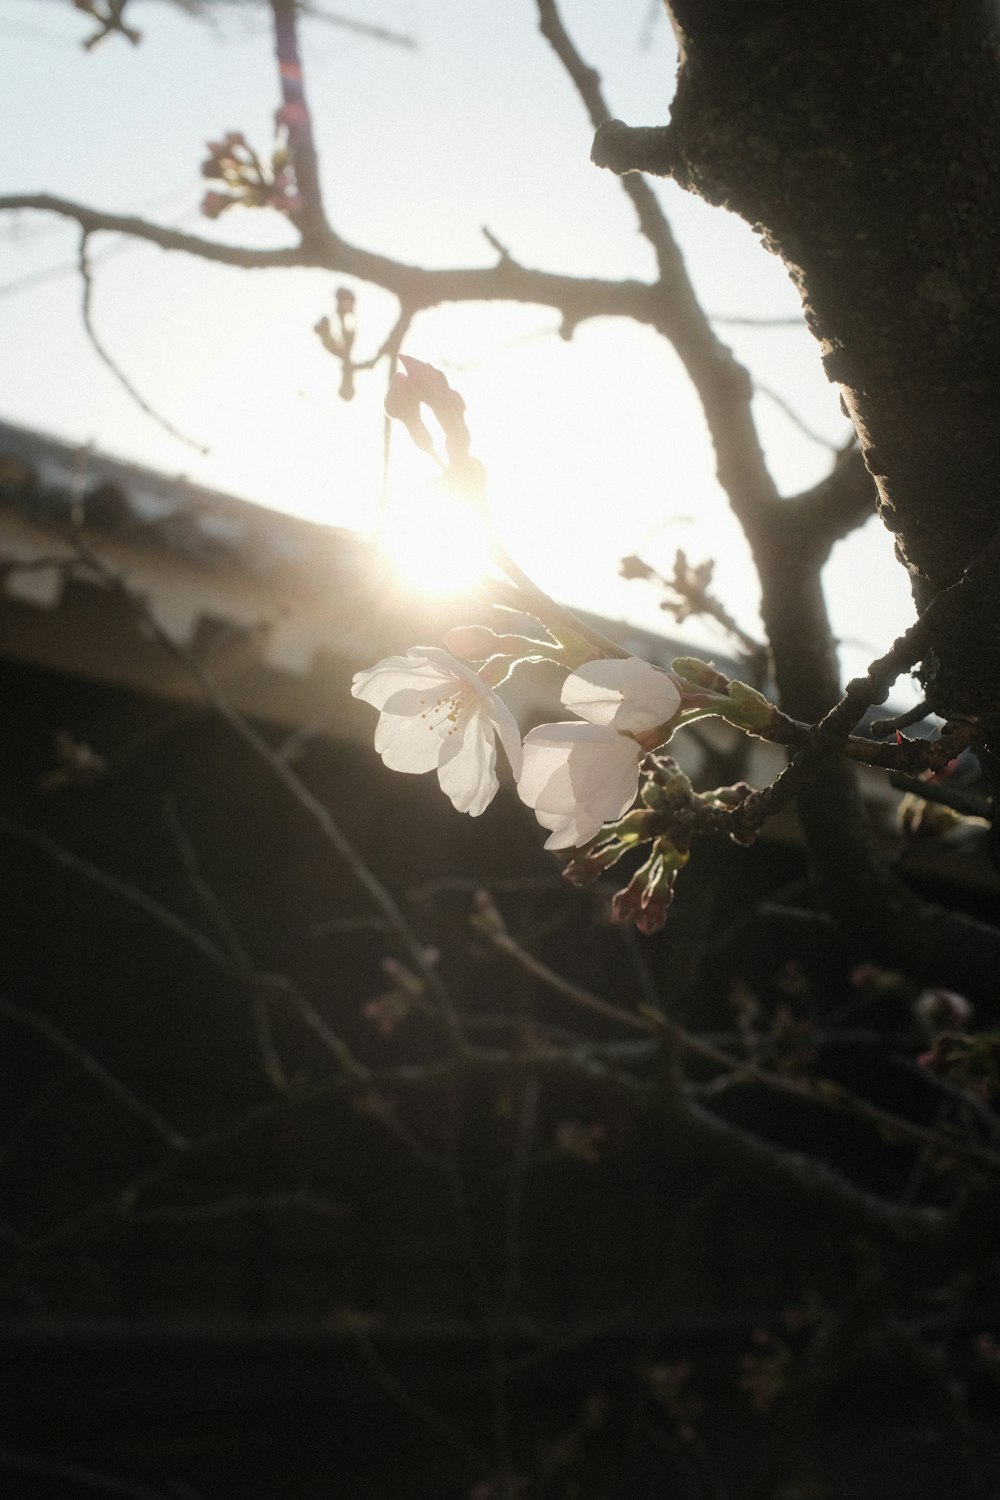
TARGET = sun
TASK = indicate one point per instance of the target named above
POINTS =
(436, 542)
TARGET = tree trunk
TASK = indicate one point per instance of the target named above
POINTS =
(862, 140)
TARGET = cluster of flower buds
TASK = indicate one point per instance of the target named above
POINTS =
(406, 994)
(968, 1062)
(690, 584)
(337, 337)
(664, 821)
(649, 895)
(233, 162)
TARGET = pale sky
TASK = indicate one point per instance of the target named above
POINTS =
(595, 448)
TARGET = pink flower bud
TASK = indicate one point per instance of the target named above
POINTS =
(291, 115)
(473, 642)
(214, 204)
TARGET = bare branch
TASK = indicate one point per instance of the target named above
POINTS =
(318, 813)
(723, 385)
(418, 1408)
(86, 312)
(836, 506)
(577, 298)
(78, 1474)
(42, 1026)
(301, 1201)
(122, 890)
(294, 114)
(258, 984)
(967, 804)
(272, 1064)
(793, 416)
(811, 1091)
(360, 28)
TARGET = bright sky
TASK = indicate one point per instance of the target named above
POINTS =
(595, 448)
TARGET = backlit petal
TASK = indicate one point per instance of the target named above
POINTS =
(406, 744)
(505, 724)
(395, 674)
(546, 752)
(628, 695)
(578, 777)
(466, 769)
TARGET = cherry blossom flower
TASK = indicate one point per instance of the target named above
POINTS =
(435, 712)
(580, 775)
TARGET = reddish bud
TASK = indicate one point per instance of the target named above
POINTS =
(214, 204)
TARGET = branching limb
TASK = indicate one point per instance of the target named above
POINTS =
(295, 116)
(78, 1475)
(835, 507)
(86, 312)
(576, 298)
(273, 1068)
(967, 804)
(793, 416)
(655, 1021)
(587, 82)
(320, 815)
(86, 1060)
(191, 936)
(301, 1201)
(723, 385)
(408, 1402)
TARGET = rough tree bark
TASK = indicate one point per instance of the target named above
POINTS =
(863, 141)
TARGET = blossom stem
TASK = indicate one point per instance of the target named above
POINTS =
(563, 624)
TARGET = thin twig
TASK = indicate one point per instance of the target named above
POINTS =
(417, 1408)
(190, 935)
(809, 1091)
(527, 1124)
(317, 811)
(724, 387)
(490, 1317)
(122, 890)
(576, 298)
(302, 1201)
(78, 1474)
(86, 312)
(472, 1062)
(273, 1067)
(738, 320)
(360, 28)
(96, 1070)
(793, 416)
(968, 804)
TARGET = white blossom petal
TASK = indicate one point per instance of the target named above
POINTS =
(505, 724)
(437, 712)
(406, 744)
(395, 674)
(578, 776)
(467, 767)
(626, 694)
(545, 752)
(572, 832)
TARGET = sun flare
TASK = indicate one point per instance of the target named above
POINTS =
(436, 542)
